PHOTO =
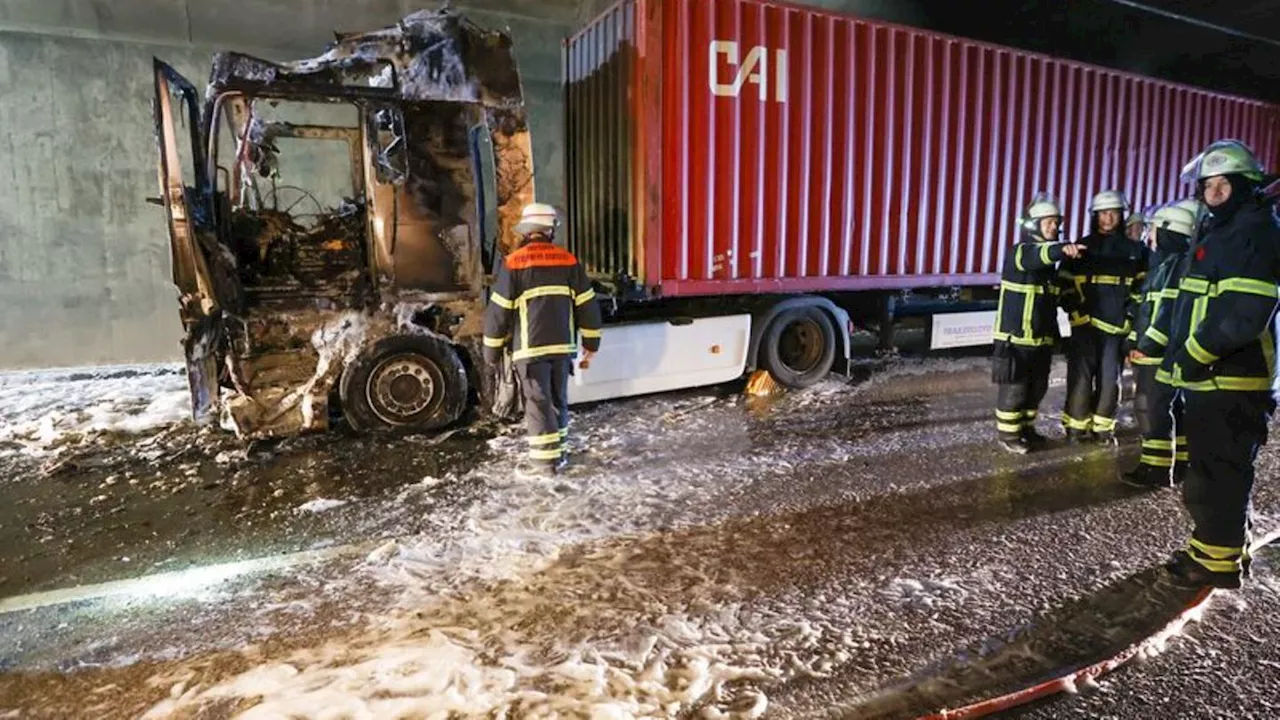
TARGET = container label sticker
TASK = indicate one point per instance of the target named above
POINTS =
(754, 69)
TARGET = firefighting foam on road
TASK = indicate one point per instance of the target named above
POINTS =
(708, 553)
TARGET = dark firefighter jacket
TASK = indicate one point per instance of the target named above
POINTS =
(541, 294)
(1027, 316)
(1099, 287)
(1159, 286)
(1218, 329)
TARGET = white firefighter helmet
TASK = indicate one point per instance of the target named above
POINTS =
(1176, 218)
(1224, 157)
(1197, 209)
(1192, 205)
(537, 217)
(1137, 218)
(1042, 206)
(1109, 200)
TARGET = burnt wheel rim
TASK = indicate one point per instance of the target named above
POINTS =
(403, 388)
(801, 345)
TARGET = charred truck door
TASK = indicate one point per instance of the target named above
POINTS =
(176, 108)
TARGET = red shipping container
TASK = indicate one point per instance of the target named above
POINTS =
(720, 147)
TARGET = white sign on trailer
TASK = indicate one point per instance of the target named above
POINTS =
(962, 329)
(969, 329)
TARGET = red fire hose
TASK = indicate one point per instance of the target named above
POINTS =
(1071, 680)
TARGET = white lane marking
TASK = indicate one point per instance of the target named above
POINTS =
(179, 582)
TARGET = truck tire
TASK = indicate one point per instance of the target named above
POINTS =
(404, 382)
(799, 347)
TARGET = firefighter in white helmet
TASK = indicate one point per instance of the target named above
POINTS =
(1027, 324)
(1158, 411)
(540, 296)
(1097, 295)
(1220, 357)
(1135, 227)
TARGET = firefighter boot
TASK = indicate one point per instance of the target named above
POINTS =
(1147, 476)
(1078, 437)
(1015, 445)
(534, 469)
(1184, 572)
(1033, 438)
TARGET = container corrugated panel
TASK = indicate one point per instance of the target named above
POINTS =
(775, 148)
(600, 68)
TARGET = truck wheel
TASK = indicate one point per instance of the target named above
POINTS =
(799, 347)
(404, 382)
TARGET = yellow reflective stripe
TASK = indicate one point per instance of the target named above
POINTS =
(1181, 439)
(1017, 258)
(1204, 357)
(1013, 416)
(1199, 309)
(1023, 288)
(1110, 329)
(1217, 552)
(1219, 566)
(1027, 342)
(1156, 461)
(1028, 305)
(1105, 424)
(1007, 428)
(1170, 293)
(1078, 319)
(1242, 384)
(1239, 384)
(1183, 456)
(1269, 352)
(1031, 414)
(1198, 286)
(546, 439)
(1157, 444)
(1105, 280)
(591, 333)
(501, 302)
(543, 351)
(494, 342)
(585, 297)
(1044, 254)
(1147, 361)
(1248, 286)
(545, 291)
(1158, 336)
(553, 454)
(564, 433)
(1074, 424)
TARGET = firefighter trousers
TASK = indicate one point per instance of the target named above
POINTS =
(546, 407)
(1095, 361)
(1225, 430)
(1018, 403)
(1158, 410)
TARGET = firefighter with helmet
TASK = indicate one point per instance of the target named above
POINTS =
(1158, 411)
(1135, 227)
(1097, 295)
(1220, 357)
(540, 296)
(1027, 324)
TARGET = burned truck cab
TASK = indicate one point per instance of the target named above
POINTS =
(337, 220)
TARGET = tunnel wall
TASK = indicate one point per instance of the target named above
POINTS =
(84, 259)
